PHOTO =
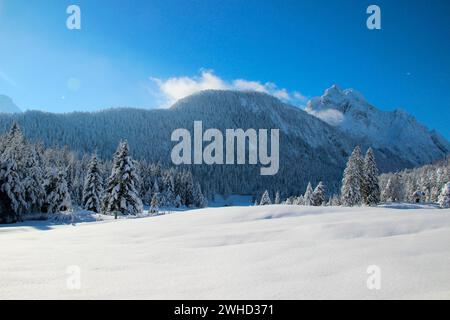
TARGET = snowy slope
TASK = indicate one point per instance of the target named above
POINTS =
(7, 105)
(274, 252)
(396, 130)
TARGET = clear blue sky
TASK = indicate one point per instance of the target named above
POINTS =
(299, 45)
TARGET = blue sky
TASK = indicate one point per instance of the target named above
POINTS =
(147, 53)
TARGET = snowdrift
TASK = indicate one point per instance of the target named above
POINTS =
(272, 252)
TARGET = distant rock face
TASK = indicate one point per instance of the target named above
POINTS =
(7, 105)
(395, 130)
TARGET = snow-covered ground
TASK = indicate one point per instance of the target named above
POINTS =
(272, 252)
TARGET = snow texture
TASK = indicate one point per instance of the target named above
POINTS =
(263, 252)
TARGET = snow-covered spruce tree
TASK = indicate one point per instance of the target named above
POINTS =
(351, 182)
(57, 192)
(444, 197)
(34, 193)
(177, 202)
(169, 195)
(11, 191)
(93, 187)
(121, 194)
(393, 189)
(308, 195)
(335, 201)
(187, 188)
(199, 199)
(370, 188)
(277, 197)
(298, 201)
(154, 205)
(265, 199)
(318, 196)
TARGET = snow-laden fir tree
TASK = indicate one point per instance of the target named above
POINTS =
(57, 192)
(154, 205)
(121, 194)
(277, 197)
(199, 199)
(335, 201)
(444, 197)
(11, 191)
(93, 187)
(177, 202)
(307, 198)
(34, 193)
(187, 188)
(299, 201)
(351, 182)
(318, 196)
(393, 189)
(370, 188)
(13, 167)
(169, 192)
(265, 199)
(155, 188)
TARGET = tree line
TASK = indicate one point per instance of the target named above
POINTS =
(40, 182)
(362, 185)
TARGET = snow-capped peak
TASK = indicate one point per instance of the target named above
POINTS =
(338, 99)
(349, 110)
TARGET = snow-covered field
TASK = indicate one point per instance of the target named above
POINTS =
(272, 252)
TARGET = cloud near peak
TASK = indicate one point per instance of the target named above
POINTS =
(172, 89)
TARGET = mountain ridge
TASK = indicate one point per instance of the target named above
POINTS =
(396, 130)
(310, 149)
(7, 105)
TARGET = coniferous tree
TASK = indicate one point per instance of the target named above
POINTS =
(370, 188)
(277, 197)
(335, 201)
(318, 196)
(154, 205)
(265, 199)
(57, 192)
(34, 193)
(393, 189)
(444, 197)
(93, 187)
(121, 193)
(351, 182)
(199, 199)
(307, 198)
(169, 195)
(12, 191)
(177, 202)
(13, 168)
(299, 201)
